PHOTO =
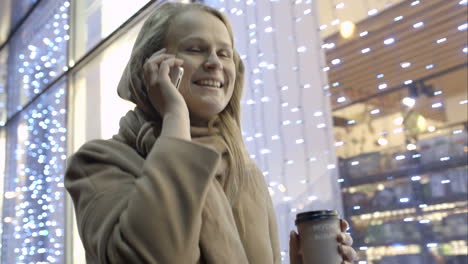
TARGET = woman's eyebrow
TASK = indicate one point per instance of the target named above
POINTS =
(202, 40)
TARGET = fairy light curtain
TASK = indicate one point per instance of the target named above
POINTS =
(286, 112)
(33, 214)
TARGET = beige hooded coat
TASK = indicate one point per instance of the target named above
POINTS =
(141, 198)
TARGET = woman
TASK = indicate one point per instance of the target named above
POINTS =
(175, 185)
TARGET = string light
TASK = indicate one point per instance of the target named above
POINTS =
(363, 34)
(418, 25)
(372, 12)
(366, 50)
(341, 99)
(33, 208)
(336, 61)
(382, 86)
(405, 64)
(389, 41)
(463, 27)
(408, 101)
(436, 105)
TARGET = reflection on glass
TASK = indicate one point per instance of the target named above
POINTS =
(96, 19)
(2, 171)
(34, 197)
(3, 84)
(11, 12)
(410, 191)
(97, 108)
(401, 133)
(39, 50)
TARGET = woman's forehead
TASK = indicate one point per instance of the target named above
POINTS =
(200, 24)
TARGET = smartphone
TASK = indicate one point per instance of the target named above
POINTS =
(176, 75)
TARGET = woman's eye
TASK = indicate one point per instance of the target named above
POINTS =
(194, 49)
(225, 54)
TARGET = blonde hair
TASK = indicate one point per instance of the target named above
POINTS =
(242, 169)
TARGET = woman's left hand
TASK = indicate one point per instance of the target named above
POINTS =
(346, 241)
(348, 254)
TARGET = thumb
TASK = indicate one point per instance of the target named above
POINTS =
(294, 246)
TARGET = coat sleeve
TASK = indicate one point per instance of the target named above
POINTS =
(154, 217)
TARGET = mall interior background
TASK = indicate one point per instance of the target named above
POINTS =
(355, 105)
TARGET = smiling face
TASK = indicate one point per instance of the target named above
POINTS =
(203, 42)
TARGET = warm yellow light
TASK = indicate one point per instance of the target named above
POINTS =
(347, 29)
(421, 123)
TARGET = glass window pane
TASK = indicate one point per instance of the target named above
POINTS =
(97, 108)
(96, 19)
(39, 49)
(11, 12)
(2, 170)
(3, 83)
(398, 87)
(33, 209)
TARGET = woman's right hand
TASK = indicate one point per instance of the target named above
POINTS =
(163, 95)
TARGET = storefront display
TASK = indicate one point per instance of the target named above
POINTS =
(400, 113)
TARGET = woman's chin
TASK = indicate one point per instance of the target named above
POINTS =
(198, 118)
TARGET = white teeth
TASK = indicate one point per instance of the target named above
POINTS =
(210, 83)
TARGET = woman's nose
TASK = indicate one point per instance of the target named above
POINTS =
(213, 62)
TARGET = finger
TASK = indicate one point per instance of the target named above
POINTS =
(159, 52)
(294, 255)
(348, 253)
(150, 73)
(165, 66)
(345, 238)
(344, 225)
(152, 66)
(159, 58)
